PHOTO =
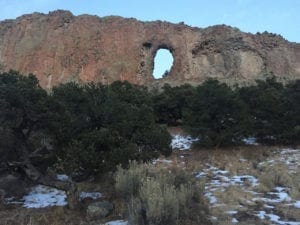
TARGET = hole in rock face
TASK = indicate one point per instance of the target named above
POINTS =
(163, 63)
(147, 45)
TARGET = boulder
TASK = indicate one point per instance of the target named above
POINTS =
(99, 210)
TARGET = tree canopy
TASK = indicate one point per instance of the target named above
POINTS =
(91, 128)
(216, 115)
(86, 129)
(107, 125)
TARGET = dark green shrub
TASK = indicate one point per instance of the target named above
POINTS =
(169, 104)
(27, 114)
(216, 115)
(291, 119)
(274, 111)
(107, 125)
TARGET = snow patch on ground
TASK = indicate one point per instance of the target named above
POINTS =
(43, 196)
(13, 200)
(281, 194)
(290, 157)
(289, 151)
(161, 161)
(261, 215)
(240, 180)
(62, 177)
(274, 218)
(212, 199)
(232, 212)
(250, 141)
(182, 142)
(222, 178)
(218, 180)
(117, 222)
(92, 195)
(277, 196)
(234, 220)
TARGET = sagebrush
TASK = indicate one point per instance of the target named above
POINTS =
(158, 197)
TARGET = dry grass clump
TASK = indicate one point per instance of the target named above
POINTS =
(295, 189)
(47, 216)
(128, 181)
(273, 176)
(239, 160)
(234, 196)
(288, 213)
(160, 201)
(160, 197)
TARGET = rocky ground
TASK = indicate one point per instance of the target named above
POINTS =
(252, 184)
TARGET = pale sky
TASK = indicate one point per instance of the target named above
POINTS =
(276, 16)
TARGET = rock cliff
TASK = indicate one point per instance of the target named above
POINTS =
(60, 47)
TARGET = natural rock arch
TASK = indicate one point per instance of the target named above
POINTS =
(60, 47)
(148, 54)
(163, 63)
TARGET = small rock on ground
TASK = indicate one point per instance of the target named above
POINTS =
(99, 210)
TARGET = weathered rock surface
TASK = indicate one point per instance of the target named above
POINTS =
(59, 47)
(99, 210)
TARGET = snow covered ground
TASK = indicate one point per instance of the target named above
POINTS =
(265, 206)
(62, 177)
(42, 196)
(117, 222)
(161, 161)
(219, 180)
(261, 205)
(91, 195)
(274, 218)
(250, 141)
(182, 142)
